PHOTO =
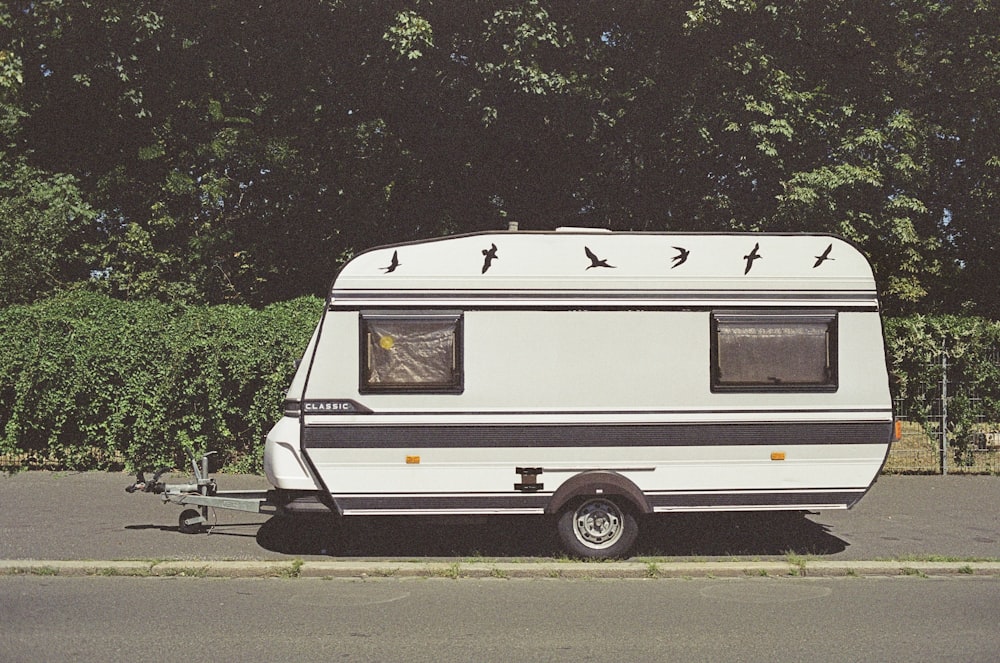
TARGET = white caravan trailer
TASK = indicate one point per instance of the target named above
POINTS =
(595, 376)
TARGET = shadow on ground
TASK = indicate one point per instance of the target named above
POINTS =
(676, 535)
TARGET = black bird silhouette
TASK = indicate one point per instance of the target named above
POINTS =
(491, 255)
(681, 257)
(750, 257)
(823, 257)
(595, 261)
(392, 265)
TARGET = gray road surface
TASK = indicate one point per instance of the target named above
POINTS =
(751, 619)
(88, 516)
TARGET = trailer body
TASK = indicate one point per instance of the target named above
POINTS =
(596, 376)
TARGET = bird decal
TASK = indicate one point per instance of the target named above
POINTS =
(750, 257)
(490, 255)
(823, 257)
(595, 261)
(681, 256)
(392, 265)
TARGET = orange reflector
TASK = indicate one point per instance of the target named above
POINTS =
(413, 460)
(777, 455)
(899, 429)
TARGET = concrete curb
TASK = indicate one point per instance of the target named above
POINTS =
(498, 569)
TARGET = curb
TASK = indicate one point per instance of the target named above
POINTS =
(502, 570)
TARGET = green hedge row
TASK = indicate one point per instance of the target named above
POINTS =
(925, 351)
(89, 382)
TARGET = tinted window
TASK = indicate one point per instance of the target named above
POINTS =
(782, 351)
(411, 352)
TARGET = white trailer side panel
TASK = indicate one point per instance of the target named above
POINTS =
(583, 352)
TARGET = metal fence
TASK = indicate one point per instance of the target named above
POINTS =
(951, 430)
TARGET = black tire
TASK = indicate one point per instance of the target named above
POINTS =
(190, 528)
(598, 528)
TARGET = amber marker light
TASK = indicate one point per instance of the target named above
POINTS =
(413, 460)
(777, 455)
(898, 432)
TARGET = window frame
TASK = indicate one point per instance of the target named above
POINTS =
(455, 386)
(778, 317)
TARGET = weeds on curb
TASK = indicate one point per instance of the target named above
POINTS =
(183, 572)
(798, 563)
(384, 573)
(910, 571)
(452, 571)
(293, 570)
(44, 571)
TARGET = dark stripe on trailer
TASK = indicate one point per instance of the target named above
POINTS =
(595, 435)
(347, 406)
(539, 303)
(456, 502)
(465, 502)
(756, 499)
(655, 297)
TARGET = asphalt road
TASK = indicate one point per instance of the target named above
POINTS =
(88, 516)
(101, 617)
(98, 619)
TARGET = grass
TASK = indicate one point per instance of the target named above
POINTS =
(798, 563)
(184, 572)
(939, 559)
(452, 571)
(917, 453)
(293, 570)
(384, 572)
(915, 573)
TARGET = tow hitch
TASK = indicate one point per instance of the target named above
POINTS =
(203, 494)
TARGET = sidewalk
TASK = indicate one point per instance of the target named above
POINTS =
(85, 524)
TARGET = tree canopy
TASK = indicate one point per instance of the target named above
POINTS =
(231, 151)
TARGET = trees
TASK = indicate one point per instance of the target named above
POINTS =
(240, 153)
(953, 84)
(43, 224)
(44, 219)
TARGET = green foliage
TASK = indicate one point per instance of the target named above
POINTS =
(914, 346)
(89, 382)
(409, 34)
(238, 152)
(44, 235)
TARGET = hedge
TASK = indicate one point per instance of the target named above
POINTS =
(89, 382)
(970, 349)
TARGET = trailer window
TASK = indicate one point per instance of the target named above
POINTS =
(779, 351)
(404, 352)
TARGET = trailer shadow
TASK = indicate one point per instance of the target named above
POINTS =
(678, 535)
(227, 529)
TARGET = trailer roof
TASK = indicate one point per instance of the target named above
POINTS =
(577, 263)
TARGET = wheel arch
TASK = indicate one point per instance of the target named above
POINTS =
(597, 482)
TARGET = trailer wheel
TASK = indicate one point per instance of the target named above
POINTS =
(596, 528)
(190, 522)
